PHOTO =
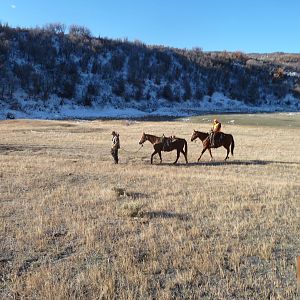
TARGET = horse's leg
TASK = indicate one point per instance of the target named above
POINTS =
(185, 156)
(178, 154)
(159, 153)
(204, 149)
(152, 156)
(211, 157)
(228, 150)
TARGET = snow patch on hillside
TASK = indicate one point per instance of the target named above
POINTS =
(55, 109)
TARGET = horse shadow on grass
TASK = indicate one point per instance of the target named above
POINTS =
(255, 162)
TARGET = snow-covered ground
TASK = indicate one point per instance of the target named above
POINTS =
(36, 109)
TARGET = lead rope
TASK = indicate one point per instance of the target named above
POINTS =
(132, 151)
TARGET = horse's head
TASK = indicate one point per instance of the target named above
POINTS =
(143, 139)
(194, 135)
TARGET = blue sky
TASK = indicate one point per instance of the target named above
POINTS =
(232, 25)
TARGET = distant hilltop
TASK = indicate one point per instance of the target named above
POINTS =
(45, 69)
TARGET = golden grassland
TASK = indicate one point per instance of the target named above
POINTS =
(74, 225)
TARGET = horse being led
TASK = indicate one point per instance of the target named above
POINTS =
(223, 139)
(177, 144)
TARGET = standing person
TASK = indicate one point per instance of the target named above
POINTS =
(115, 146)
(216, 127)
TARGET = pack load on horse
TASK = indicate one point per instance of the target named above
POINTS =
(225, 140)
(166, 144)
(115, 146)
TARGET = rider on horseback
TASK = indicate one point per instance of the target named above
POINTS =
(214, 130)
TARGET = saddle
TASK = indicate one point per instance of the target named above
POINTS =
(218, 139)
(167, 141)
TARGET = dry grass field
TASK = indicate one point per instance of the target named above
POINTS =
(75, 226)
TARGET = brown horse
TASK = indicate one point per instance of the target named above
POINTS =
(226, 141)
(177, 144)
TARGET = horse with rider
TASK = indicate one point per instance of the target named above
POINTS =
(214, 139)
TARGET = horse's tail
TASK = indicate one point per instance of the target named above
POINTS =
(186, 147)
(232, 145)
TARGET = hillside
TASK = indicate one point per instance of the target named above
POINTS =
(48, 73)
